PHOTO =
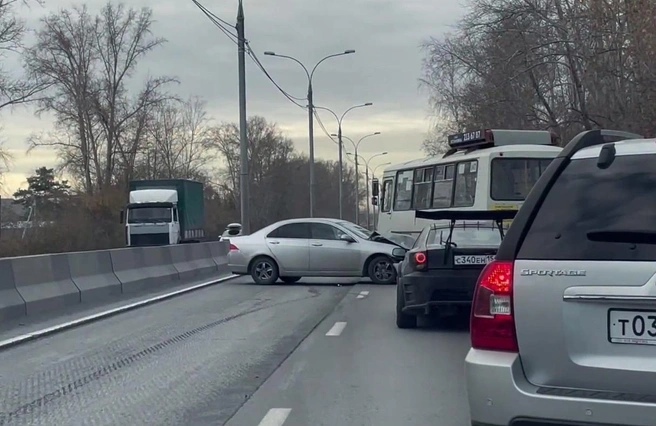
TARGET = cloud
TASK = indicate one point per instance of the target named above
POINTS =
(386, 35)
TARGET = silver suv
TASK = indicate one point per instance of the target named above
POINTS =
(563, 325)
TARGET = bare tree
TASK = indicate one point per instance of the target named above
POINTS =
(178, 141)
(15, 90)
(88, 61)
(5, 161)
(562, 65)
(436, 141)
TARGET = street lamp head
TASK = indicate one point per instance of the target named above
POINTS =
(346, 52)
(270, 53)
(368, 104)
(383, 153)
(377, 133)
(333, 134)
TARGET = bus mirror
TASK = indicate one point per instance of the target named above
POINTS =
(375, 188)
(374, 201)
(122, 217)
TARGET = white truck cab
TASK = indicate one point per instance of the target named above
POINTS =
(152, 217)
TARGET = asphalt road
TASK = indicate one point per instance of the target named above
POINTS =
(312, 353)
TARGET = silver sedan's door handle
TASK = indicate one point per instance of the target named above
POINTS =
(317, 244)
(274, 242)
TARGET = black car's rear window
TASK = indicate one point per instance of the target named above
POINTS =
(587, 198)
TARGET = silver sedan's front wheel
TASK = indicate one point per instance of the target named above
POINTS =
(264, 270)
(382, 270)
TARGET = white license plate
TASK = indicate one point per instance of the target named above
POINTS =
(473, 259)
(632, 327)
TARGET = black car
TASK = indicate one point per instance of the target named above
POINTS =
(438, 275)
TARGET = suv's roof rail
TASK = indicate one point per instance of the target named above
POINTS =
(595, 137)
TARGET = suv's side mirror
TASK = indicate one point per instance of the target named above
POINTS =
(375, 187)
(122, 217)
(398, 253)
(347, 238)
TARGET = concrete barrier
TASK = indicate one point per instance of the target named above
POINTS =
(192, 261)
(143, 269)
(219, 251)
(33, 285)
(44, 282)
(93, 274)
(12, 304)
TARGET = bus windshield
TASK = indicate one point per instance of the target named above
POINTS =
(513, 178)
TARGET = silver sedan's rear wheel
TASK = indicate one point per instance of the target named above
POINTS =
(264, 270)
(382, 270)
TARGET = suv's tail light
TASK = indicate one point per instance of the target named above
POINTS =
(419, 260)
(234, 247)
(492, 320)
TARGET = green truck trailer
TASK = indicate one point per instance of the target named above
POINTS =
(162, 212)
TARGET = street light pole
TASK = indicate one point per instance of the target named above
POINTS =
(357, 177)
(341, 148)
(311, 138)
(310, 74)
(366, 165)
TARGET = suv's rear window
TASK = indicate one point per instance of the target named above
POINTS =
(586, 198)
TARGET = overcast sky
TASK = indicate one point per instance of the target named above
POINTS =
(385, 69)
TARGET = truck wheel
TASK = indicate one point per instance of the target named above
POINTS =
(403, 320)
(381, 270)
(264, 270)
(290, 280)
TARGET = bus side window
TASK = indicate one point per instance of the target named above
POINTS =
(422, 195)
(443, 186)
(403, 192)
(465, 193)
(386, 196)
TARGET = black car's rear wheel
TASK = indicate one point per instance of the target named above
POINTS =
(403, 320)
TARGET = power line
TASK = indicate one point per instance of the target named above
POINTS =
(221, 24)
(316, 115)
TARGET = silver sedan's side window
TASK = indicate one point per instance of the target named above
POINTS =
(323, 231)
(291, 230)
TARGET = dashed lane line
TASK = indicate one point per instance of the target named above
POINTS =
(336, 329)
(275, 417)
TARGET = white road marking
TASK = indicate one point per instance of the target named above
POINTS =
(363, 294)
(90, 318)
(275, 417)
(336, 329)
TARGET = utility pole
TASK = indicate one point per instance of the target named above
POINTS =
(311, 137)
(244, 178)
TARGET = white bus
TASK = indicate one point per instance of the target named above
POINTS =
(483, 170)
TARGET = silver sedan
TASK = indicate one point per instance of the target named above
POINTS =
(297, 248)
